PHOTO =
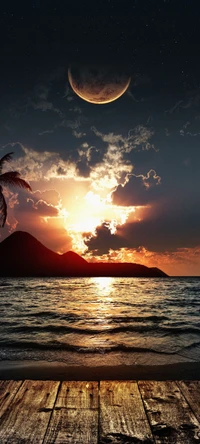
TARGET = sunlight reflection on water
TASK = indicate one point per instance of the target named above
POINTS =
(104, 285)
(99, 315)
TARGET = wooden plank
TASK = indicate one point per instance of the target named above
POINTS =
(122, 415)
(170, 416)
(75, 416)
(191, 391)
(27, 416)
(8, 390)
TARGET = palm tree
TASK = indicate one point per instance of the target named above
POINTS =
(11, 178)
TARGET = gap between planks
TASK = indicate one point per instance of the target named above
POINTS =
(99, 412)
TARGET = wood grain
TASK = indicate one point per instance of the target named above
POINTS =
(8, 390)
(170, 416)
(115, 412)
(122, 415)
(27, 416)
(191, 391)
(75, 416)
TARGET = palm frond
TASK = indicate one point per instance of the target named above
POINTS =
(13, 178)
(3, 209)
(6, 158)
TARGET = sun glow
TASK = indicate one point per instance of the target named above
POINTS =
(92, 210)
(86, 213)
(95, 200)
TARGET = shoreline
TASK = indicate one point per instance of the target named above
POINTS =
(43, 370)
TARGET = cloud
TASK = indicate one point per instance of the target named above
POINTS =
(104, 171)
(192, 98)
(182, 131)
(167, 132)
(76, 109)
(73, 124)
(41, 207)
(43, 166)
(37, 204)
(45, 100)
(78, 134)
(130, 94)
(165, 228)
(42, 104)
(137, 138)
(61, 170)
(182, 262)
(68, 94)
(45, 132)
(188, 133)
(150, 119)
(174, 107)
(82, 168)
(192, 134)
(41, 215)
(103, 240)
(110, 137)
(36, 166)
(138, 190)
(113, 170)
(70, 98)
(51, 196)
(41, 98)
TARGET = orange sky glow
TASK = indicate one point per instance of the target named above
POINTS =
(63, 212)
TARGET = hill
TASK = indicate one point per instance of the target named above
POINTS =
(23, 255)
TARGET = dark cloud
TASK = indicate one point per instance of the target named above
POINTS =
(139, 190)
(50, 196)
(29, 205)
(61, 171)
(95, 156)
(103, 241)
(83, 169)
(43, 208)
(166, 228)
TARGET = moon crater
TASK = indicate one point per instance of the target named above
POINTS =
(99, 85)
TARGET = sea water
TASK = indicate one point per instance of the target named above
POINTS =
(100, 320)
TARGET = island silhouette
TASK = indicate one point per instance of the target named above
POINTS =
(22, 255)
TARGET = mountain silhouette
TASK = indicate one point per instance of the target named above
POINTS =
(21, 254)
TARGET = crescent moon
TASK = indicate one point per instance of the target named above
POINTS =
(81, 94)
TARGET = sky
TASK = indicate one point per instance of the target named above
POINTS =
(113, 182)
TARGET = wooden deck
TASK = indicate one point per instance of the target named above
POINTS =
(99, 412)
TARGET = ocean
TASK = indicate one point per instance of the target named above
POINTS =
(94, 321)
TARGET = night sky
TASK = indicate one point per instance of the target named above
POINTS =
(113, 182)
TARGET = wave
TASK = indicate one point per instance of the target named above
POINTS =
(188, 288)
(62, 329)
(194, 345)
(52, 315)
(151, 318)
(6, 284)
(167, 319)
(57, 346)
(74, 316)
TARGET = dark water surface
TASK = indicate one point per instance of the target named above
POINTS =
(115, 319)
